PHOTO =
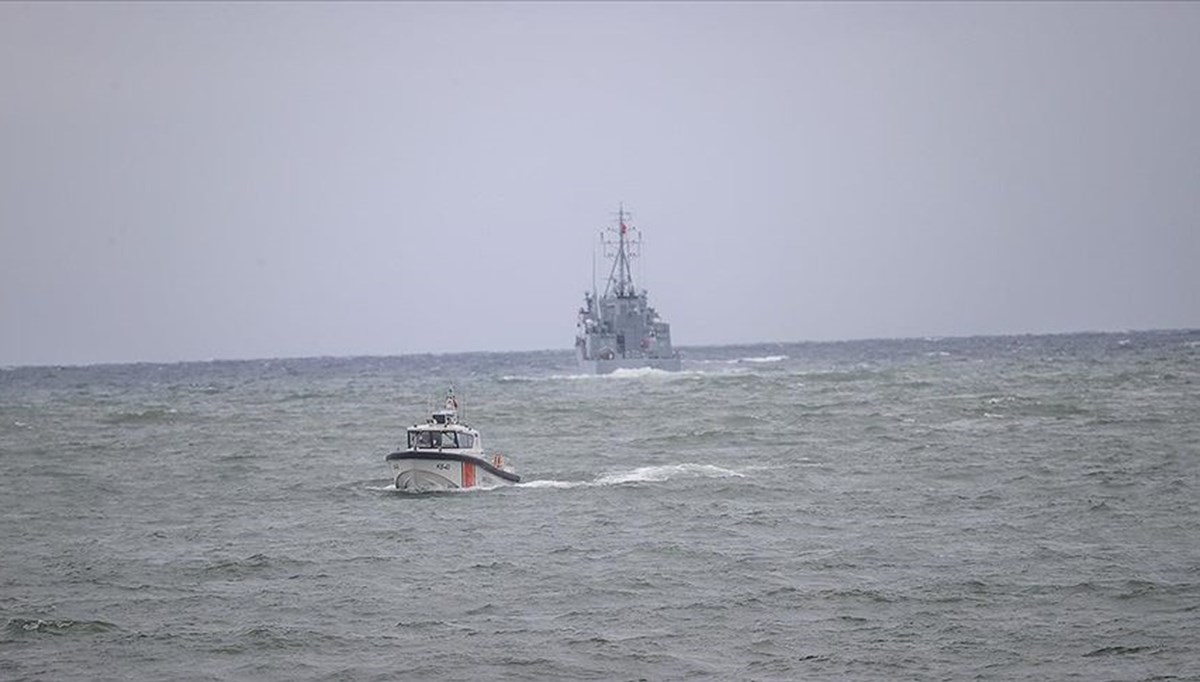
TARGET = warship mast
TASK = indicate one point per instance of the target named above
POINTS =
(620, 278)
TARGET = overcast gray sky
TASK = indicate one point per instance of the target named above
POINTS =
(210, 180)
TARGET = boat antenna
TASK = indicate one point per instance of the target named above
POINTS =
(620, 278)
(641, 268)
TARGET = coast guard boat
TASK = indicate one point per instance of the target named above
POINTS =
(620, 330)
(445, 454)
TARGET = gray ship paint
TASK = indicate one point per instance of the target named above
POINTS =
(620, 330)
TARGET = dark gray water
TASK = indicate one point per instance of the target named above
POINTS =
(990, 508)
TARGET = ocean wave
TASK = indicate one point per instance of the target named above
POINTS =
(153, 415)
(1121, 651)
(264, 639)
(55, 626)
(753, 360)
(737, 368)
(255, 564)
(997, 407)
(302, 396)
(632, 373)
(764, 359)
(623, 373)
(517, 379)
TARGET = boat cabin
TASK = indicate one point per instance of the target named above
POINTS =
(443, 431)
(431, 439)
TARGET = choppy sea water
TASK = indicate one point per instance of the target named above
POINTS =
(988, 508)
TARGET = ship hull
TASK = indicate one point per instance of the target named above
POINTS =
(428, 472)
(609, 366)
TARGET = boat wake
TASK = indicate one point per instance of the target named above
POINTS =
(651, 474)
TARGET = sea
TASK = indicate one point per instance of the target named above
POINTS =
(983, 508)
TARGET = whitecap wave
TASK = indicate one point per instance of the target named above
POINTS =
(765, 358)
(638, 372)
(518, 378)
(752, 360)
(623, 373)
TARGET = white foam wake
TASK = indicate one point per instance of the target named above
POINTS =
(558, 485)
(667, 472)
(651, 474)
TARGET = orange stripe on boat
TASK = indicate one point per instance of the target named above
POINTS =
(468, 475)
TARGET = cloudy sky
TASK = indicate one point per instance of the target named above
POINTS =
(209, 180)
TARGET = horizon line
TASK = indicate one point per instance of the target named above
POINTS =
(926, 337)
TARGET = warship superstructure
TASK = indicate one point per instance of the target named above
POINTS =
(620, 330)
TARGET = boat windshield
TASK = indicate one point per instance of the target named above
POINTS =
(439, 439)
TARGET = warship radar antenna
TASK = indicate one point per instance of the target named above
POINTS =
(622, 248)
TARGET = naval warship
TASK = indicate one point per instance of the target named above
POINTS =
(620, 330)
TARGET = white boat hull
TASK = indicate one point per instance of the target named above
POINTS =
(425, 472)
